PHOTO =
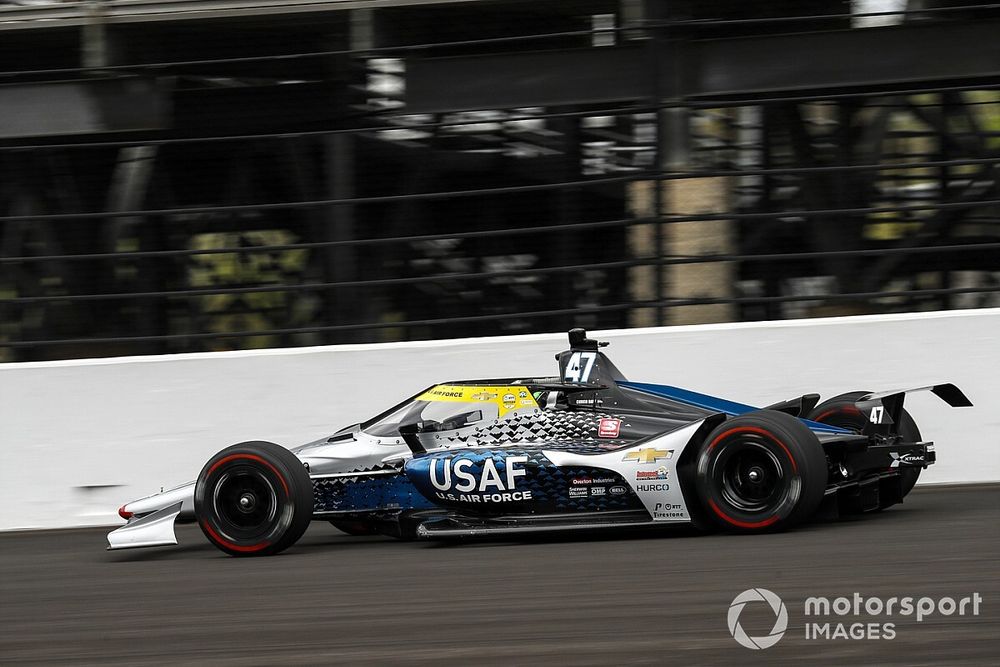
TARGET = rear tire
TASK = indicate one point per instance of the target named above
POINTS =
(253, 499)
(761, 471)
(841, 411)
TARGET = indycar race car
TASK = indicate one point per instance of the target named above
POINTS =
(587, 449)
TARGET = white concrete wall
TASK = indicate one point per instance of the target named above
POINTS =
(79, 438)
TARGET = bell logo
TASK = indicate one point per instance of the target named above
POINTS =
(780, 622)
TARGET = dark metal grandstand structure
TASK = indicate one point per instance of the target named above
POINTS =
(210, 174)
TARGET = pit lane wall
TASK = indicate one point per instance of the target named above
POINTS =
(80, 438)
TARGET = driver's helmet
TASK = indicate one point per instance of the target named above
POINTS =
(449, 412)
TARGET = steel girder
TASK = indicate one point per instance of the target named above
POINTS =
(844, 61)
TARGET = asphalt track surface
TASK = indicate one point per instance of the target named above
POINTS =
(657, 598)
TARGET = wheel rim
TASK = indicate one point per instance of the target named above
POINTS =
(750, 477)
(245, 502)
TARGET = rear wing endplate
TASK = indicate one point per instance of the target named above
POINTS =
(883, 409)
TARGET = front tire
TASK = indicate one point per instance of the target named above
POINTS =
(253, 499)
(761, 471)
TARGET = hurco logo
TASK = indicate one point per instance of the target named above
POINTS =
(648, 455)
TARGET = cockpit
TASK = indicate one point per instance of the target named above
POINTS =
(454, 410)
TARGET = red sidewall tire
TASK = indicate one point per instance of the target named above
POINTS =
(253, 499)
(761, 471)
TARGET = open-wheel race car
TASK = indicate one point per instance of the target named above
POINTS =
(587, 449)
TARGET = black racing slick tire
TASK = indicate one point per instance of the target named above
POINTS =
(762, 471)
(841, 411)
(253, 499)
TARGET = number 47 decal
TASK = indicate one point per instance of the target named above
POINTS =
(579, 366)
(876, 415)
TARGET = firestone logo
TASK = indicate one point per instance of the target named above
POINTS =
(780, 621)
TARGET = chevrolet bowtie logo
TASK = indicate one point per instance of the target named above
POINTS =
(649, 455)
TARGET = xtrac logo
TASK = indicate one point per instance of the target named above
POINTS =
(908, 459)
(460, 479)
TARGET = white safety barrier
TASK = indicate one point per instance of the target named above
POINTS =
(80, 438)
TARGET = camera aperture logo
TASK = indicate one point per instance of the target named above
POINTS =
(780, 621)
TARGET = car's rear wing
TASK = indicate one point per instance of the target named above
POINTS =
(883, 409)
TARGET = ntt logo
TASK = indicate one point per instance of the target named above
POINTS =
(780, 620)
